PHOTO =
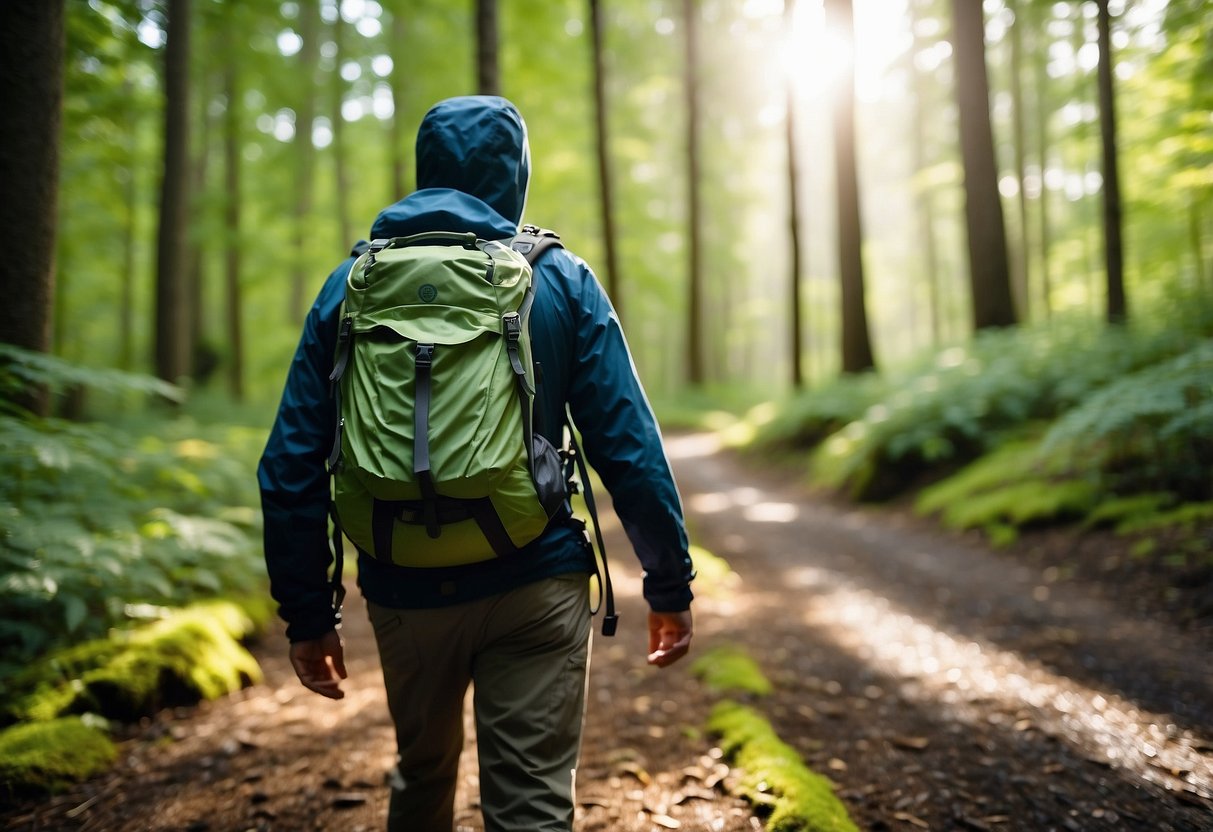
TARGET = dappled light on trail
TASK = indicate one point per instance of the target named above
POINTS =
(973, 680)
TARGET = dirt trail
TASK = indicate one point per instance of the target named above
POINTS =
(939, 685)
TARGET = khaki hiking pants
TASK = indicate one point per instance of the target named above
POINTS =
(527, 653)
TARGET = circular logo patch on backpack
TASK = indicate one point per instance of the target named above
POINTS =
(428, 293)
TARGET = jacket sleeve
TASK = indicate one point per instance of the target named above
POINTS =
(294, 481)
(623, 442)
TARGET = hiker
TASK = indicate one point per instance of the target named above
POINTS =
(518, 627)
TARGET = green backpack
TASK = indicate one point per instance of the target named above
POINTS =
(436, 461)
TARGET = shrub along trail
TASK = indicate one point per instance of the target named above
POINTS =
(937, 684)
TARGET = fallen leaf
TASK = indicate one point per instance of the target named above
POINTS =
(836, 764)
(911, 743)
(665, 821)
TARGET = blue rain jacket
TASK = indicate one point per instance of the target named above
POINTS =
(473, 165)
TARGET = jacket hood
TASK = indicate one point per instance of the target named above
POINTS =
(476, 144)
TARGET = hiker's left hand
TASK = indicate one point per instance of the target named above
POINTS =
(320, 664)
(669, 637)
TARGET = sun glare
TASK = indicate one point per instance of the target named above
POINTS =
(815, 55)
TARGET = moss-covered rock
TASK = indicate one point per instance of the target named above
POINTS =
(190, 655)
(773, 775)
(44, 757)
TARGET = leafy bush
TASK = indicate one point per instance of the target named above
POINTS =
(972, 397)
(1151, 431)
(806, 420)
(98, 522)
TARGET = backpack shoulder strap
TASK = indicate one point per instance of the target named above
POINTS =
(532, 241)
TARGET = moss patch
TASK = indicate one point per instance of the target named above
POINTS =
(44, 757)
(774, 775)
(713, 575)
(191, 654)
(731, 670)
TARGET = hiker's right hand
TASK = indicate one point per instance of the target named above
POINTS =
(669, 637)
(320, 664)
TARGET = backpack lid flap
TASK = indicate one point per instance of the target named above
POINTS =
(434, 325)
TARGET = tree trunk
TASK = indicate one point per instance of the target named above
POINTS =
(305, 155)
(923, 197)
(602, 146)
(172, 353)
(31, 67)
(1041, 83)
(202, 359)
(231, 230)
(989, 272)
(130, 195)
(1113, 250)
(345, 225)
(1022, 278)
(396, 134)
(488, 73)
(856, 344)
(795, 233)
(695, 369)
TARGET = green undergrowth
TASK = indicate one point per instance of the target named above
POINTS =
(187, 655)
(730, 669)
(774, 776)
(143, 507)
(46, 757)
(713, 575)
(58, 708)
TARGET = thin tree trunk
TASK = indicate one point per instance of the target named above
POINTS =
(856, 343)
(305, 154)
(397, 132)
(795, 233)
(31, 67)
(130, 194)
(695, 368)
(488, 73)
(602, 142)
(172, 358)
(1113, 248)
(345, 225)
(1020, 261)
(1197, 240)
(989, 272)
(1041, 82)
(231, 227)
(923, 197)
(201, 359)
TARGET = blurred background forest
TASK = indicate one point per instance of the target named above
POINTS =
(894, 237)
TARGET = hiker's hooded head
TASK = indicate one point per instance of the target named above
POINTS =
(476, 144)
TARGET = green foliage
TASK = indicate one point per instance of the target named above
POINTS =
(98, 520)
(22, 370)
(190, 654)
(713, 575)
(1146, 432)
(731, 670)
(805, 421)
(774, 776)
(970, 398)
(45, 757)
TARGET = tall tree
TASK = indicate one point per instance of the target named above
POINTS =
(989, 270)
(1117, 309)
(305, 152)
(924, 200)
(31, 69)
(488, 70)
(795, 232)
(1021, 272)
(232, 141)
(602, 146)
(856, 343)
(172, 347)
(396, 133)
(345, 224)
(1040, 81)
(694, 334)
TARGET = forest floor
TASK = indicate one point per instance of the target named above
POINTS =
(939, 684)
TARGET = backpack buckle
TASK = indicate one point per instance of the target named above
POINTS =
(425, 355)
(513, 326)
